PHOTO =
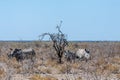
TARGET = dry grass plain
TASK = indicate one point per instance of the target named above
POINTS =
(104, 63)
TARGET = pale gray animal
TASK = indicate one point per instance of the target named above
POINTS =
(20, 54)
(83, 54)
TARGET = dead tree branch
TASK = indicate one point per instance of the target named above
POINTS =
(59, 41)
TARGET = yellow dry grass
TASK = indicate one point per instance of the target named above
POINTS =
(112, 68)
(79, 78)
(99, 64)
(101, 61)
(2, 72)
(3, 59)
(75, 65)
(116, 60)
(39, 77)
(118, 76)
(51, 63)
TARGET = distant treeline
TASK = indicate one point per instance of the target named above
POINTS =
(48, 41)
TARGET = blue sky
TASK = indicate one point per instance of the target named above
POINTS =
(82, 19)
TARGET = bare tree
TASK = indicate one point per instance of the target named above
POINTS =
(59, 41)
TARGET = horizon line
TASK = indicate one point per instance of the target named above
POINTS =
(68, 40)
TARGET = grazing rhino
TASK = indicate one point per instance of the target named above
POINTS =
(20, 54)
(70, 56)
(83, 54)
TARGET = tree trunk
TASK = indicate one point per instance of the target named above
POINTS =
(60, 57)
(60, 61)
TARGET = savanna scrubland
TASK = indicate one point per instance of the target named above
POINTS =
(104, 63)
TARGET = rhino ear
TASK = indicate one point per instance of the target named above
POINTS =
(87, 50)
